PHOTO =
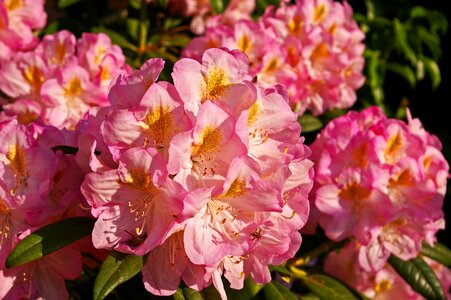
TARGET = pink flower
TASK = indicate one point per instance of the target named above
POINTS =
(314, 48)
(18, 19)
(61, 79)
(374, 182)
(382, 284)
(42, 278)
(136, 204)
(209, 175)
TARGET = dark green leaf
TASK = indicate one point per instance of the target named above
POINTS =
(433, 70)
(439, 253)
(116, 269)
(405, 71)
(191, 294)
(277, 291)
(310, 123)
(116, 38)
(248, 292)
(49, 239)
(66, 3)
(417, 273)
(327, 288)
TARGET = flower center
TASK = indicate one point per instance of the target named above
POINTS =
(159, 125)
(216, 82)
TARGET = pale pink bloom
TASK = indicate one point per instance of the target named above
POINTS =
(24, 75)
(167, 264)
(27, 167)
(127, 90)
(152, 122)
(203, 17)
(380, 181)
(58, 49)
(12, 220)
(382, 284)
(42, 278)
(18, 19)
(313, 48)
(136, 204)
(95, 52)
(212, 79)
(69, 96)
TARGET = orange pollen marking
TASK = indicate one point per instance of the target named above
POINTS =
(383, 285)
(244, 43)
(320, 13)
(254, 112)
(321, 51)
(427, 162)
(26, 117)
(209, 142)
(33, 75)
(271, 66)
(394, 145)
(13, 4)
(140, 180)
(16, 155)
(60, 51)
(236, 189)
(360, 155)
(403, 178)
(215, 84)
(354, 192)
(160, 125)
(295, 24)
(73, 88)
(105, 73)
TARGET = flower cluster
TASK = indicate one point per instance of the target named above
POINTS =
(202, 13)
(313, 48)
(18, 19)
(209, 175)
(37, 187)
(382, 284)
(380, 181)
(61, 79)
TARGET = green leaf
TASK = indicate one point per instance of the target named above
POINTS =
(400, 33)
(248, 292)
(210, 293)
(277, 291)
(219, 6)
(49, 239)
(310, 123)
(439, 253)
(133, 27)
(405, 71)
(327, 288)
(433, 70)
(116, 269)
(178, 295)
(417, 273)
(66, 3)
(116, 38)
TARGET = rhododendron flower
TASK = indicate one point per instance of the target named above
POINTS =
(18, 19)
(314, 48)
(61, 79)
(381, 181)
(136, 204)
(202, 12)
(382, 284)
(210, 174)
(42, 278)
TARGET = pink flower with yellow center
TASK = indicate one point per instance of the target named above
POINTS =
(374, 181)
